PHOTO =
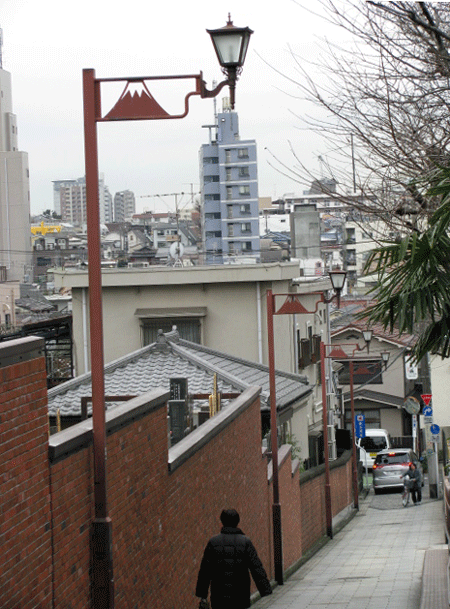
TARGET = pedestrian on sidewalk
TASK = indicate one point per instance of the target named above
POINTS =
(227, 562)
(415, 484)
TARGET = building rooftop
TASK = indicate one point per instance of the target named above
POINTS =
(153, 366)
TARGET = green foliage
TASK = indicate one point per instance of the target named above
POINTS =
(295, 447)
(414, 278)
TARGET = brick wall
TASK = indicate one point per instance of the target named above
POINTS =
(312, 497)
(291, 522)
(25, 522)
(164, 504)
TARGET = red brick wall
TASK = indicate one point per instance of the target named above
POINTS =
(25, 522)
(162, 516)
(291, 522)
(161, 521)
(312, 500)
(312, 510)
(341, 487)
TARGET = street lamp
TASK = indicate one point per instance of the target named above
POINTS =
(231, 45)
(337, 352)
(337, 278)
(292, 306)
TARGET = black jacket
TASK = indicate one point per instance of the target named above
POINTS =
(226, 563)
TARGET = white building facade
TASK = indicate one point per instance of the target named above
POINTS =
(15, 227)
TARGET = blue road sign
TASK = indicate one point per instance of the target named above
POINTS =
(360, 426)
(435, 429)
(427, 411)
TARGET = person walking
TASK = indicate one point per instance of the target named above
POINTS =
(228, 560)
(415, 483)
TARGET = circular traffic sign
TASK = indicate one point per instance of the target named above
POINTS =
(435, 429)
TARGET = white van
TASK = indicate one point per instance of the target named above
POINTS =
(374, 441)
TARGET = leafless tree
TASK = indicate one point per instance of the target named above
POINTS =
(385, 85)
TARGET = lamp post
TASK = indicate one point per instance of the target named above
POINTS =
(291, 306)
(231, 44)
(337, 353)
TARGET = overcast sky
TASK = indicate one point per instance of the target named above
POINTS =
(47, 44)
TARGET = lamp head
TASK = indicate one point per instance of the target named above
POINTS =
(337, 278)
(231, 44)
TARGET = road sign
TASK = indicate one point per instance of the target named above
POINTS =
(426, 398)
(427, 411)
(360, 426)
(435, 429)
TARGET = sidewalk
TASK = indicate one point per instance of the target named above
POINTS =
(375, 562)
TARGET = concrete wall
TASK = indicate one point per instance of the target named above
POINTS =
(440, 382)
(235, 299)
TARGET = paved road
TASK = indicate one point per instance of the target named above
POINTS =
(375, 562)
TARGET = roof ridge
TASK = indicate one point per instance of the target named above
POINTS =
(176, 347)
(240, 360)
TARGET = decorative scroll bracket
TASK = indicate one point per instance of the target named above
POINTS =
(141, 105)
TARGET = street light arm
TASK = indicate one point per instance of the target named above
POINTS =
(232, 74)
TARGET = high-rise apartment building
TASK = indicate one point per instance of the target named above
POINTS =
(70, 200)
(15, 227)
(124, 205)
(229, 186)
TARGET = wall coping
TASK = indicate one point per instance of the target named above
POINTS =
(64, 443)
(21, 350)
(319, 470)
(192, 443)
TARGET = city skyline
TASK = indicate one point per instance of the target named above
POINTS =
(46, 47)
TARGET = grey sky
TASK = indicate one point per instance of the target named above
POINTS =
(48, 43)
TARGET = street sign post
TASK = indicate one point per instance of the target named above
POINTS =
(427, 415)
(360, 426)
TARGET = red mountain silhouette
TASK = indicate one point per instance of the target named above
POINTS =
(139, 105)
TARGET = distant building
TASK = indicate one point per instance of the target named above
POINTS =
(124, 205)
(69, 197)
(15, 235)
(229, 186)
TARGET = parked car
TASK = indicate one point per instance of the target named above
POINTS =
(374, 441)
(391, 465)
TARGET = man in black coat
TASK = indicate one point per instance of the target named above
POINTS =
(227, 562)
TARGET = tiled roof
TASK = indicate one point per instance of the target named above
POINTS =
(289, 387)
(155, 365)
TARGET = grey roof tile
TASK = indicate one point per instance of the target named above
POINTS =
(154, 366)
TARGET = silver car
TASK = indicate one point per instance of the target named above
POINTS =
(391, 465)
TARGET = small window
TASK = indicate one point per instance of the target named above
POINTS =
(245, 208)
(243, 153)
(231, 230)
(228, 156)
(228, 174)
(246, 227)
(229, 192)
(244, 172)
(244, 191)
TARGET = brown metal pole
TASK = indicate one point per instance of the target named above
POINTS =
(354, 464)
(102, 590)
(329, 513)
(276, 507)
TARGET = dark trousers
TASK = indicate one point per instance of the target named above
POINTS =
(416, 494)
